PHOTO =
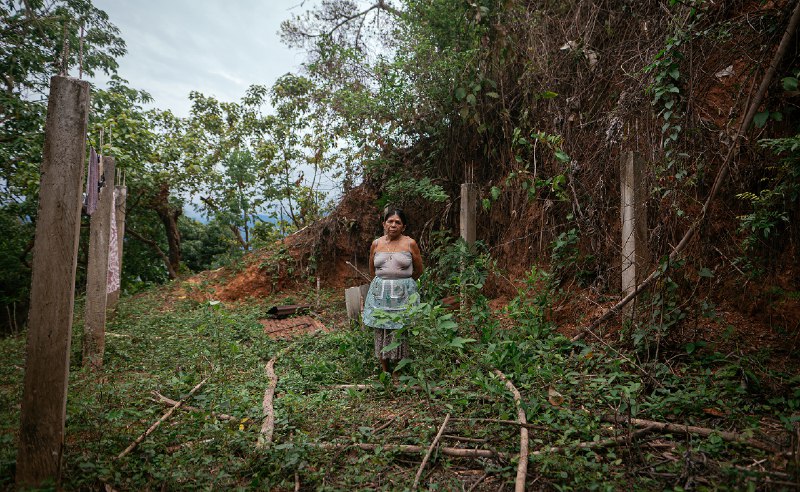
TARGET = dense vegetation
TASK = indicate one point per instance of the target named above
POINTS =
(400, 102)
(167, 341)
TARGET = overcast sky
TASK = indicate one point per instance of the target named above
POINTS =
(217, 47)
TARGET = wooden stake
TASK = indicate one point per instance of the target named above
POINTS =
(158, 422)
(522, 467)
(55, 257)
(428, 454)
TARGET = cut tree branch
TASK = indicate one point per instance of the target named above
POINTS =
(158, 422)
(721, 175)
(522, 467)
(268, 427)
(428, 454)
(691, 429)
(170, 402)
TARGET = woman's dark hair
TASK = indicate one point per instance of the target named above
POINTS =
(396, 211)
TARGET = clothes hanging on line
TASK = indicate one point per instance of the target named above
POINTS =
(113, 280)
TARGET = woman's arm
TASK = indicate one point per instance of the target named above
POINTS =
(416, 259)
(372, 257)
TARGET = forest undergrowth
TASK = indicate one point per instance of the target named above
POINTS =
(331, 397)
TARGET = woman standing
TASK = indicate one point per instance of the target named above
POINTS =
(396, 263)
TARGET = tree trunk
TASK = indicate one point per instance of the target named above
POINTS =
(169, 217)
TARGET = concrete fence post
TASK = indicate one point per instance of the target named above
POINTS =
(94, 333)
(55, 256)
(633, 195)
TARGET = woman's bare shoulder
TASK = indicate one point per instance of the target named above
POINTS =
(411, 243)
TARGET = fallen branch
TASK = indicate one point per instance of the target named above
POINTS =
(464, 439)
(482, 453)
(170, 402)
(268, 427)
(428, 454)
(164, 417)
(721, 175)
(505, 422)
(189, 444)
(410, 448)
(388, 423)
(691, 429)
(522, 467)
(379, 386)
(352, 386)
(611, 441)
(475, 485)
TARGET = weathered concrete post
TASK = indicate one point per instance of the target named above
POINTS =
(633, 196)
(55, 256)
(466, 223)
(468, 211)
(94, 332)
(120, 197)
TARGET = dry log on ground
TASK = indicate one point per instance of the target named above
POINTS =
(164, 417)
(522, 467)
(691, 429)
(268, 427)
(428, 454)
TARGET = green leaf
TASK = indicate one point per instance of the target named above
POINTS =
(548, 95)
(495, 191)
(760, 119)
(789, 83)
(391, 346)
(471, 98)
(403, 363)
(705, 272)
(675, 73)
(486, 203)
(493, 95)
(458, 342)
(561, 156)
(461, 93)
(777, 116)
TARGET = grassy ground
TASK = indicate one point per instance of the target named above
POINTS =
(566, 389)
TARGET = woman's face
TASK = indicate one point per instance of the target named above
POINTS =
(393, 226)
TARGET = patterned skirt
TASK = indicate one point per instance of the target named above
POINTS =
(389, 296)
(384, 338)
